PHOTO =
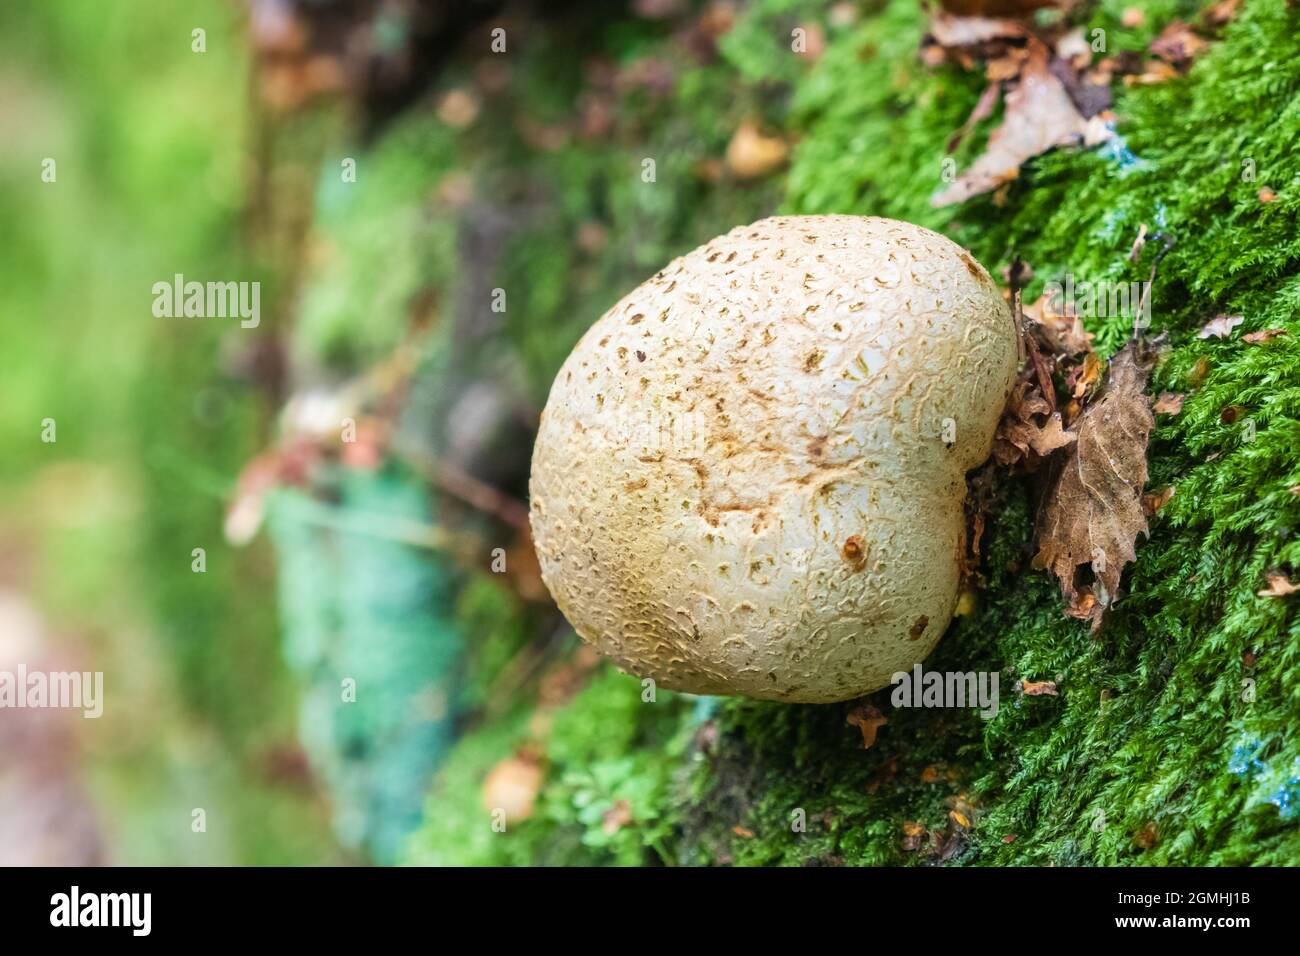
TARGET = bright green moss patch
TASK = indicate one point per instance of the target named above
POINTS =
(610, 760)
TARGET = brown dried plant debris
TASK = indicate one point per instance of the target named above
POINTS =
(1054, 94)
(1038, 115)
(984, 108)
(513, 784)
(752, 154)
(1090, 452)
(963, 35)
(1220, 327)
(1033, 428)
(947, 843)
(995, 8)
(1177, 45)
(1148, 836)
(981, 500)
(1061, 331)
(1039, 688)
(1053, 97)
(1153, 501)
(1223, 12)
(868, 719)
(1030, 430)
(1279, 585)
(1092, 511)
(1169, 403)
(1264, 335)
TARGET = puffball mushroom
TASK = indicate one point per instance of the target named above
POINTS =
(749, 476)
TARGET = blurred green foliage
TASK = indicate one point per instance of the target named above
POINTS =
(149, 141)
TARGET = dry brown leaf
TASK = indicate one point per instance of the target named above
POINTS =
(1020, 438)
(1046, 440)
(1082, 379)
(1123, 63)
(512, 786)
(1147, 837)
(867, 719)
(1169, 403)
(1154, 501)
(1279, 585)
(1153, 71)
(981, 499)
(1026, 400)
(953, 32)
(751, 154)
(1005, 67)
(984, 107)
(1264, 335)
(1225, 11)
(1220, 327)
(1038, 115)
(1039, 688)
(1092, 512)
(1063, 332)
(995, 8)
(1074, 48)
(616, 817)
(1177, 45)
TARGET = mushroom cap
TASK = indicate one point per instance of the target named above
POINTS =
(750, 473)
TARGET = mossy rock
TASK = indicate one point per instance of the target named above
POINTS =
(1170, 739)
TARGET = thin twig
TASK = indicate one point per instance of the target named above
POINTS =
(461, 484)
(1167, 242)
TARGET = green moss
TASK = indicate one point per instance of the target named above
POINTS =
(377, 248)
(1153, 711)
(606, 751)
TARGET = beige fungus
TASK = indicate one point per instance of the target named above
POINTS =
(749, 475)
